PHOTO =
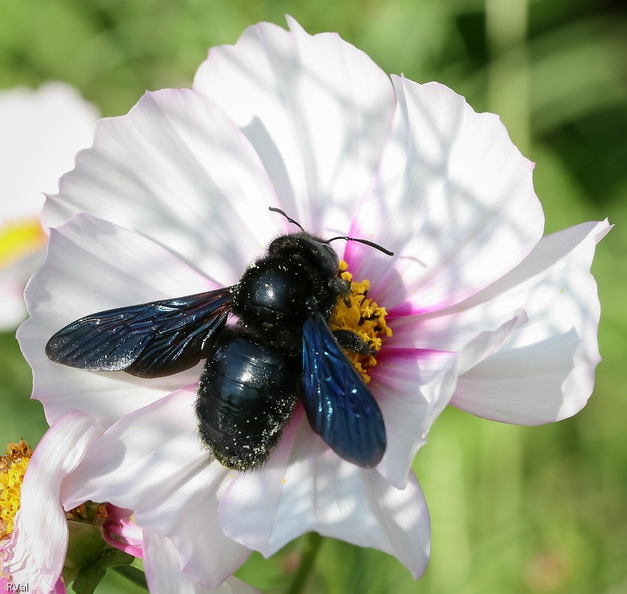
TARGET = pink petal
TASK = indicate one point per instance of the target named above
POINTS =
(316, 109)
(453, 199)
(39, 541)
(120, 531)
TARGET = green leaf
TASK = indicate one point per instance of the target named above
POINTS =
(91, 574)
(133, 574)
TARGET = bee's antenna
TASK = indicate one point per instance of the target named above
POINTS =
(289, 219)
(366, 242)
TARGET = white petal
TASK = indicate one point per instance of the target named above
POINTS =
(454, 200)
(176, 170)
(409, 386)
(39, 541)
(413, 388)
(305, 486)
(94, 265)
(41, 132)
(545, 372)
(317, 110)
(151, 462)
(164, 576)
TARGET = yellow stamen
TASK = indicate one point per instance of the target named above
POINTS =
(19, 238)
(12, 469)
(361, 315)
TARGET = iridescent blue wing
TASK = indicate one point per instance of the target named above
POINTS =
(148, 340)
(339, 406)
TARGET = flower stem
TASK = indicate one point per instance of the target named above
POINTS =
(313, 541)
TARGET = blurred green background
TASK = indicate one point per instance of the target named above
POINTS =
(514, 509)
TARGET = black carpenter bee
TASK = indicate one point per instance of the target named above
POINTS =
(279, 350)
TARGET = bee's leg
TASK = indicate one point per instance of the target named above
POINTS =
(351, 342)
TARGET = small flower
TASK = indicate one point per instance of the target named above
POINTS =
(37, 524)
(41, 132)
(475, 308)
(34, 551)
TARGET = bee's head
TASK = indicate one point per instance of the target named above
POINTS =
(311, 249)
(316, 251)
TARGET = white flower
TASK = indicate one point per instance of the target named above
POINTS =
(40, 132)
(173, 199)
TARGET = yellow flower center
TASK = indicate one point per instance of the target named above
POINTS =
(19, 238)
(12, 469)
(361, 315)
